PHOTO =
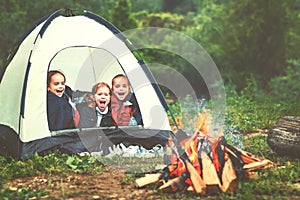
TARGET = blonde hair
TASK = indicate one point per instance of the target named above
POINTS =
(100, 85)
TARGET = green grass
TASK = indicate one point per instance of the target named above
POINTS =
(279, 182)
(134, 165)
(54, 163)
(276, 183)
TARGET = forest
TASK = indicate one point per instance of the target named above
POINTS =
(249, 38)
(254, 45)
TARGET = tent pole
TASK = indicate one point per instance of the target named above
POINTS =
(92, 61)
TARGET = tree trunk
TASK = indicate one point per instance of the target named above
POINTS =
(284, 137)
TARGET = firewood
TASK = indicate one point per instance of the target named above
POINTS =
(229, 151)
(190, 189)
(147, 179)
(198, 183)
(174, 184)
(264, 164)
(252, 162)
(210, 175)
(229, 178)
(249, 158)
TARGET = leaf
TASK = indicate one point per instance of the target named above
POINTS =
(70, 162)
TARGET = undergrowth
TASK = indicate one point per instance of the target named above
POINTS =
(275, 183)
(54, 163)
(251, 109)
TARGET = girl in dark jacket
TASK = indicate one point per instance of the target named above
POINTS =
(98, 112)
(59, 111)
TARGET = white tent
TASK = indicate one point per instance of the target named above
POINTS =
(88, 49)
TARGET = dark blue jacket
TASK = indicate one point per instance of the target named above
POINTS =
(88, 118)
(59, 112)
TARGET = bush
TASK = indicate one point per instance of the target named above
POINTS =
(251, 109)
(285, 89)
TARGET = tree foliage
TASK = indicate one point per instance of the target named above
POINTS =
(17, 17)
(254, 37)
(121, 16)
(245, 38)
(286, 87)
(153, 6)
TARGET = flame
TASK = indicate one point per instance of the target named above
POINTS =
(176, 168)
(191, 148)
(203, 123)
(190, 145)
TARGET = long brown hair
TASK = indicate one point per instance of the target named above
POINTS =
(118, 76)
(53, 72)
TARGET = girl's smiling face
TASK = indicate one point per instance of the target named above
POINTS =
(120, 87)
(102, 97)
(57, 84)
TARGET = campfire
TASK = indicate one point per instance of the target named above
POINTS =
(202, 163)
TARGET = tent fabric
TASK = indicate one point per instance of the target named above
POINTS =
(88, 49)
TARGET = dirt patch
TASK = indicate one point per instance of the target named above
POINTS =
(111, 184)
(260, 133)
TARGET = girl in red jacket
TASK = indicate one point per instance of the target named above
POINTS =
(124, 107)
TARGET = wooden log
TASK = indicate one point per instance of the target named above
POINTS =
(253, 162)
(284, 136)
(210, 175)
(198, 183)
(264, 164)
(229, 178)
(147, 179)
(174, 184)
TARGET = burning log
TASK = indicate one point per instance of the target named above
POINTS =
(229, 177)
(175, 184)
(197, 182)
(204, 174)
(204, 164)
(147, 179)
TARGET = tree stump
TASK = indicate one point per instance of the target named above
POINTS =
(284, 137)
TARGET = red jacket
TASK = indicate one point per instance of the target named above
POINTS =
(121, 111)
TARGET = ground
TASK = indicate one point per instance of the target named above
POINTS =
(111, 184)
(82, 186)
